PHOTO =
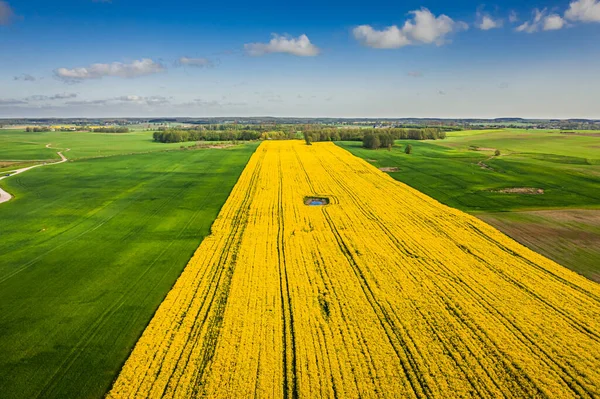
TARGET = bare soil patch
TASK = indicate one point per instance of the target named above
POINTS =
(484, 166)
(570, 237)
(587, 216)
(211, 146)
(521, 190)
(389, 169)
(4, 164)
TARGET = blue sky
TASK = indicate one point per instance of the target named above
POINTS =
(341, 59)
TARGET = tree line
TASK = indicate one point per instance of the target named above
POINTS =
(112, 129)
(358, 134)
(371, 137)
(182, 135)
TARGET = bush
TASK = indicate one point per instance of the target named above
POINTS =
(497, 153)
(408, 149)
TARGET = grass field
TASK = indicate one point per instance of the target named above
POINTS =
(383, 293)
(566, 167)
(19, 145)
(89, 249)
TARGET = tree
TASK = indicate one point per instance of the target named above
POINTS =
(497, 153)
(307, 138)
(408, 149)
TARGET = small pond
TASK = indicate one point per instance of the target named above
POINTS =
(316, 201)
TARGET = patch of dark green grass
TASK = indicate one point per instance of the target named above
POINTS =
(470, 180)
(88, 250)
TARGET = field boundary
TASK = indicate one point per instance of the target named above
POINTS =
(5, 196)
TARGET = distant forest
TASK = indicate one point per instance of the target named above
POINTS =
(371, 137)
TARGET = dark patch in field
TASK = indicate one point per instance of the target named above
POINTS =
(520, 190)
(484, 166)
(570, 237)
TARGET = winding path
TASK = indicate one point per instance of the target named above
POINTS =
(5, 196)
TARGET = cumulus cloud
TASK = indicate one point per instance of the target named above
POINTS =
(423, 28)
(6, 13)
(513, 17)
(486, 22)
(584, 11)
(554, 22)
(390, 37)
(195, 62)
(542, 21)
(300, 46)
(25, 77)
(135, 69)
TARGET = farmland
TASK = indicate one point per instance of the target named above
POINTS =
(89, 248)
(18, 145)
(384, 292)
(463, 172)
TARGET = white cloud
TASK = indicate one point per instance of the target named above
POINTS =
(300, 46)
(196, 62)
(424, 28)
(486, 22)
(6, 13)
(542, 21)
(137, 68)
(553, 22)
(513, 17)
(584, 10)
(390, 37)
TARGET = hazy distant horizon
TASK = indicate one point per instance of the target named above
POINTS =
(300, 117)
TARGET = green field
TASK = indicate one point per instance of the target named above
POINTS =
(565, 167)
(89, 248)
(18, 145)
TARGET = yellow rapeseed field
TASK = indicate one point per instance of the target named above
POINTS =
(383, 293)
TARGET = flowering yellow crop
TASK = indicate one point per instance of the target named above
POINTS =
(383, 293)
